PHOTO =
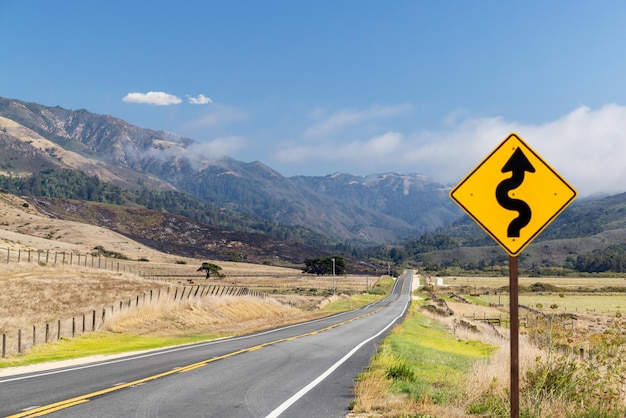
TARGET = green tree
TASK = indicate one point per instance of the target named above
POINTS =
(325, 265)
(210, 268)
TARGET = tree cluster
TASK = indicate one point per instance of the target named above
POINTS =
(325, 265)
(63, 184)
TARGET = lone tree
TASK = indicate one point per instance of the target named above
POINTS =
(324, 265)
(211, 268)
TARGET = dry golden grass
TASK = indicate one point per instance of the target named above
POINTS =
(565, 282)
(32, 294)
(213, 315)
(23, 227)
(492, 376)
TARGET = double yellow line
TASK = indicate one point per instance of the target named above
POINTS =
(57, 406)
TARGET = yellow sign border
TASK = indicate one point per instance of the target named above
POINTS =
(519, 248)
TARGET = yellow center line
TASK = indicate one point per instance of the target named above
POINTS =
(53, 407)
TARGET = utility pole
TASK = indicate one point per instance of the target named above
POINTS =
(334, 283)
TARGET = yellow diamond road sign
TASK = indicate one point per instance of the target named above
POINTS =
(513, 194)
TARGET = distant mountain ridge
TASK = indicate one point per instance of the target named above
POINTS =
(367, 209)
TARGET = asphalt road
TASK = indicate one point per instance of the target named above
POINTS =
(304, 370)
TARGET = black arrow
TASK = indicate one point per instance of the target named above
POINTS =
(518, 164)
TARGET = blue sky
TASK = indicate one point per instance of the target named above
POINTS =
(355, 86)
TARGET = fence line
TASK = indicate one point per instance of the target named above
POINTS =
(70, 258)
(20, 340)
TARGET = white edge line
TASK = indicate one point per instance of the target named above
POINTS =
(285, 405)
(158, 353)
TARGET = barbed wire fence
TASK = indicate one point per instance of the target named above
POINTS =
(20, 340)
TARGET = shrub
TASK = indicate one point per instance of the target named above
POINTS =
(401, 371)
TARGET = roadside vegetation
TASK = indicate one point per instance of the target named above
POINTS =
(447, 363)
(60, 292)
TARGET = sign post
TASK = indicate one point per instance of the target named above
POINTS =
(514, 338)
(513, 194)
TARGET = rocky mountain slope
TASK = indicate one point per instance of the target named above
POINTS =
(371, 209)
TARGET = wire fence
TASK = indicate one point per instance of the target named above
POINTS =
(20, 340)
(69, 258)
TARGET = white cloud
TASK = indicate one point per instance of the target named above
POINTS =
(218, 115)
(374, 151)
(587, 147)
(343, 119)
(218, 147)
(158, 98)
(200, 99)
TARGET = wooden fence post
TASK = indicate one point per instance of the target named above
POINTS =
(4, 345)
(47, 332)
(93, 323)
(58, 329)
(73, 327)
(19, 340)
(34, 335)
(83, 323)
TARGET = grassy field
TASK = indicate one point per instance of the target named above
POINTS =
(32, 293)
(570, 283)
(454, 366)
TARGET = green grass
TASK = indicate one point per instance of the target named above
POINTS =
(103, 342)
(95, 343)
(425, 361)
(359, 300)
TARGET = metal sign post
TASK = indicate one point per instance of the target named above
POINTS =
(514, 341)
(513, 194)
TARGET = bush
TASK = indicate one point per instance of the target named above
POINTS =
(401, 371)
(377, 291)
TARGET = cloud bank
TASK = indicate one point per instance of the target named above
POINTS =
(587, 147)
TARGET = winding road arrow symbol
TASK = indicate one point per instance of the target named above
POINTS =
(518, 164)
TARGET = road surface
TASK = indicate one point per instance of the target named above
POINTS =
(303, 370)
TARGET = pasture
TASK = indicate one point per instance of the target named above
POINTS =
(44, 303)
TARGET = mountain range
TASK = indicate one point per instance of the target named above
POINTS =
(160, 189)
(374, 209)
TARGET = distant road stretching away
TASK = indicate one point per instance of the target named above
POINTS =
(304, 370)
